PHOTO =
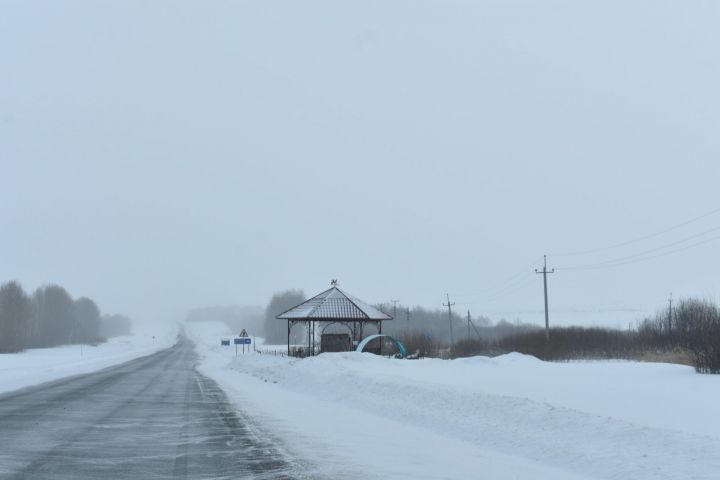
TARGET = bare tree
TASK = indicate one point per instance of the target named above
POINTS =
(698, 326)
(276, 330)
(87, 321)
(54, 316)
(15, 314)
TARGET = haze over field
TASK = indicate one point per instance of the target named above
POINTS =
(158, 156)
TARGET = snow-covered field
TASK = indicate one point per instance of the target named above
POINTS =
(31, 367)
(363, 416)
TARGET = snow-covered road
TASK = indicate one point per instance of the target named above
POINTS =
(363, 416)
(35, 366)
(154, 417)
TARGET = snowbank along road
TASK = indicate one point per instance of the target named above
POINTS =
(512, 417)
(152, 418)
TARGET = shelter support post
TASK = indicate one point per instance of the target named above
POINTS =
(380, 332)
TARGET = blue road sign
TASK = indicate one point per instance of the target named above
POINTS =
(225, 343)
(243, 341)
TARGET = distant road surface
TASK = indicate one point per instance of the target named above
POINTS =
(151, 418)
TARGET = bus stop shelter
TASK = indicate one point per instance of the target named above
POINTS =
(333, 307)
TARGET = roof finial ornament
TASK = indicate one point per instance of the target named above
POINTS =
(333, 282)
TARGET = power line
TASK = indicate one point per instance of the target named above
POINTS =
(653, 250)
(504, 292)
(510, 283)
(633, 258)
(512, 288)
(638, 239)
(494, 288)
(579, 309)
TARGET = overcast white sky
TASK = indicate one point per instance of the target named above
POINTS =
(162, 155)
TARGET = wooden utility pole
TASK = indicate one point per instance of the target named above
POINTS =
(472, 324)
(544, 272)
(468, 325)
(669, 325)
(452, 337)
(407, 314)
(394, 302)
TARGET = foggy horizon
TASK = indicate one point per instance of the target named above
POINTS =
(160, 157)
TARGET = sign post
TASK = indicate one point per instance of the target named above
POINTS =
(245, 339)
(241, 341)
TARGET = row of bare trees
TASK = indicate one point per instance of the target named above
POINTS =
(571, 343)
(693, 326)
(50, 317)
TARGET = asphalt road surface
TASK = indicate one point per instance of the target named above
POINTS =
(151, 418)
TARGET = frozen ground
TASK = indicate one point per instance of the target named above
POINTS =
(40, 365)
(363, 416)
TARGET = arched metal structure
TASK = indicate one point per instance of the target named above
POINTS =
(344, 324)
(370, 338)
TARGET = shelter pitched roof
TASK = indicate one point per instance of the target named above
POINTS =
(334, 304)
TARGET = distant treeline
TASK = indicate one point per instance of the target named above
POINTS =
(420, 328)
(423, 326)
(427, 331)
(434, 324)
(51, 317)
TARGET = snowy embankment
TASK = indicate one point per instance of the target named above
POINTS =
(35, 366)
(363, 416)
